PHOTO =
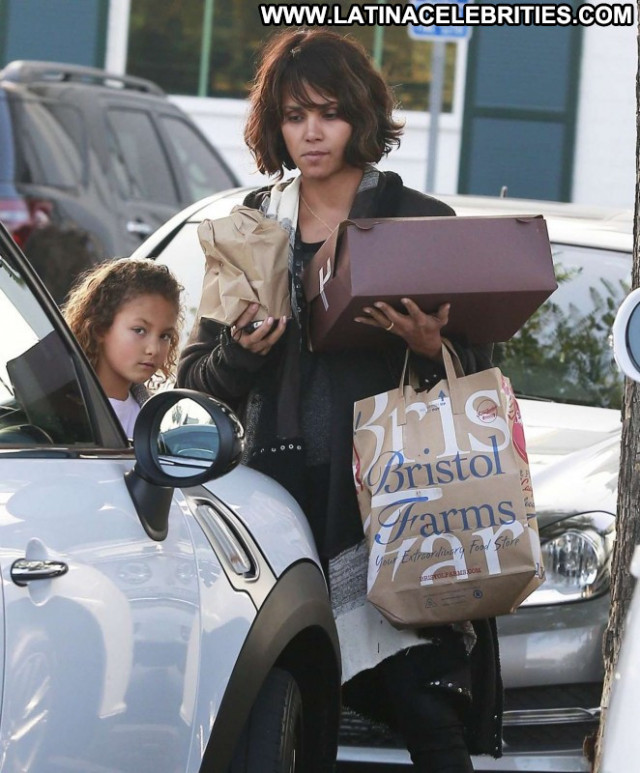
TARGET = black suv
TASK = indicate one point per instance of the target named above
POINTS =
(91, 163)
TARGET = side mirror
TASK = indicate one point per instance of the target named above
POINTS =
(626, 336)
(181, 438)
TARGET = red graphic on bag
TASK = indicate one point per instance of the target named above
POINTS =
(515, 420)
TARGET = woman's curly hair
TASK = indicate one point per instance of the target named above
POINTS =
(99, 294)
(297, 60)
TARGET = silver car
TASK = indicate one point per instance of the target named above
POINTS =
(561, 365)
(161, 609)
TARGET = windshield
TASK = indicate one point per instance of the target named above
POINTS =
(564, 352)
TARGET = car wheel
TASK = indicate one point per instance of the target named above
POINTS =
(271, 741)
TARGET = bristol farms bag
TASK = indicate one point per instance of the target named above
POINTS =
(446, 501)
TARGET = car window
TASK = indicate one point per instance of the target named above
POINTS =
(141, 165)
(47, 153)
(564, 352)
(41, 401)
(202, 169)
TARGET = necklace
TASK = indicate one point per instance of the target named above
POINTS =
(317, 217)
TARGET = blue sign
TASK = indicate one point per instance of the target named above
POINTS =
(449, 32)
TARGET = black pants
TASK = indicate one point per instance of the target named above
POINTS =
(429, 717)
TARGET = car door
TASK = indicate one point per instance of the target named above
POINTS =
(147, 188)
(199, 168)
(100, 623)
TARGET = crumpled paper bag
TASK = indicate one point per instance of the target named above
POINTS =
(246, 262)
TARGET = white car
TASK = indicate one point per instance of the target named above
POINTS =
(162, 609)
(561, 365)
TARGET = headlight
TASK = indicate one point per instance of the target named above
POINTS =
(577, 554)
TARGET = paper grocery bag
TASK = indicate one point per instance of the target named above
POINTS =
(446, 501)
(246, 262)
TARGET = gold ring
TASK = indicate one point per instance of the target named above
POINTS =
(390, 327)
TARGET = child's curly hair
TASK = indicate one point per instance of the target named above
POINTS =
(99, 293)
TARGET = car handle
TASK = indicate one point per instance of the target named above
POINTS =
(24, 571)
(139, 227)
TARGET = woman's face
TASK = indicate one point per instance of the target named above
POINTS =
(316, 137)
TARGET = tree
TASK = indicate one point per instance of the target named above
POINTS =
(628, 506)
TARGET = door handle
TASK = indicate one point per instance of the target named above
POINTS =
(139, 228)
(24, 570)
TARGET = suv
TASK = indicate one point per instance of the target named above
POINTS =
(91, 163)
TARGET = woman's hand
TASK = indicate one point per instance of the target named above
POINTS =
(264, 337)
(421, 331)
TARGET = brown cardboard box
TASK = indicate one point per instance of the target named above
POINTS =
(495, 272)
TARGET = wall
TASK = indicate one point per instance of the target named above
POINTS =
(604, 170)
(115, 59)
(222, 120)
(62, 31)
(605, 166)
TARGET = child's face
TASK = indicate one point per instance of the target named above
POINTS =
(137, 344)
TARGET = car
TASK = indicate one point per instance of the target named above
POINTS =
(569, 390)
(162, 608)
(91, 163)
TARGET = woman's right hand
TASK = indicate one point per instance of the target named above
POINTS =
(264, 337)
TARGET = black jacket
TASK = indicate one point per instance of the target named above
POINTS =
(252, 384)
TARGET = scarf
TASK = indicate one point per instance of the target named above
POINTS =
(282, 204)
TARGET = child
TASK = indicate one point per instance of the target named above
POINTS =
(126, 314)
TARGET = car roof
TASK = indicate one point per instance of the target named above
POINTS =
(575, 224)
(32, 72)
(567, 223)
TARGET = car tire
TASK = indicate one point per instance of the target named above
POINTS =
(272, 739)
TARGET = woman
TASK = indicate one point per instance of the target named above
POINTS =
(318, 105)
